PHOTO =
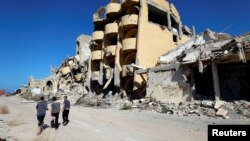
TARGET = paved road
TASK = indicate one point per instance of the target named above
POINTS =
(88, 124)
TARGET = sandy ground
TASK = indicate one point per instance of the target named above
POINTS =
(90, 124)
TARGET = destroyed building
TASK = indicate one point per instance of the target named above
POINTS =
(130, 35)
(142, 49)
(72, 71)
(210, 66)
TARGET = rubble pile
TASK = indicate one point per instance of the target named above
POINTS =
(233, 110)
(90, 100)
(75, 92)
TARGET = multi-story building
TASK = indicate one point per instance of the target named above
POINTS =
(128, 35)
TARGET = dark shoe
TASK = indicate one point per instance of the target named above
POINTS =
(52, 124)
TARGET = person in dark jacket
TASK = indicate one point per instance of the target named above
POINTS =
(65, 109)
(41, 108)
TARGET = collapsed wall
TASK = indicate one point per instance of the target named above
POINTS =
(170, 85)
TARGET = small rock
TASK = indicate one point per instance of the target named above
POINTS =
(142, 100)
(236, 102)
(197, 103)
(136, 101)
(191, 106)
(194, 112)
(239, 111)
(221, 112)
(150, 104)
(207, 104)
(179, 114)
(134, 106)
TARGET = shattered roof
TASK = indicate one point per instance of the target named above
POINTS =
(207, 46)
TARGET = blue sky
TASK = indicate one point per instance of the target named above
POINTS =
(35, 34)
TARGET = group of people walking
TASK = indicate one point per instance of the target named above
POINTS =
(42, 107)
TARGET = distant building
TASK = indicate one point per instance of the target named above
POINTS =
(2, 92)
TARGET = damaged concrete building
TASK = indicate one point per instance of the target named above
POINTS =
(130, 35)
(141, 48)
(211, 66)
(72, 71)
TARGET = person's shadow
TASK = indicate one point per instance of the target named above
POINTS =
(54, 126)
(45, 126)
(65, 124)
(58, 126)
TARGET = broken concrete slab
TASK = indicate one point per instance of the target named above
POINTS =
(222, 112)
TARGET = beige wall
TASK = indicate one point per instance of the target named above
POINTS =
(82, 47)
(153, 41)
(41, 84)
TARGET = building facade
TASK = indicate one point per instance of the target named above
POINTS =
(131, 35)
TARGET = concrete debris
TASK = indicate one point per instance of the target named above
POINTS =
(210, 66)
(218, 104)
(101, 100)
(207, 104)
(194, 108)
(221, 112)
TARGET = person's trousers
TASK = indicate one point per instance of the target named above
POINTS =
(56, 115)
(65, 115)
(40, 120)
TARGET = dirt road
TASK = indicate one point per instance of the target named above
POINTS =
(88, 124)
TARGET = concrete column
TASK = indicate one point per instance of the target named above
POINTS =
(193, 30)
(101, 74)
(169, 21)
(180, 30)
(216, 81)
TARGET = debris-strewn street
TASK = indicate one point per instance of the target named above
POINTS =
(139, 72)
(104, 124)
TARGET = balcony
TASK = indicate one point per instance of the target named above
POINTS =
(111, 29)
(97, 55)
(112, 9)
(129, 44)
(129, 3)
(97, 18)
(110, 50)
(98, 36)
(129, 21)
(95, 75)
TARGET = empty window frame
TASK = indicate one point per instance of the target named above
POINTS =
(157, 16)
